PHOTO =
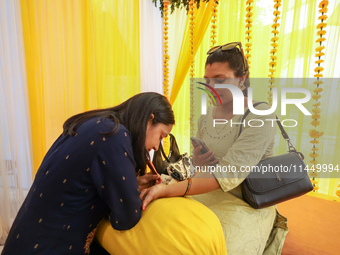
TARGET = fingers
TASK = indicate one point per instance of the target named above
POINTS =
(147, 198)
(151, 177)
(143, 194)
(203, 159)
(197, 150)
(151, 194)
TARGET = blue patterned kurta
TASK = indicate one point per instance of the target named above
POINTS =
(82, 179)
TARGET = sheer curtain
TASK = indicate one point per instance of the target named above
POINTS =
(151, 47)
(15, 158)
(80, 55)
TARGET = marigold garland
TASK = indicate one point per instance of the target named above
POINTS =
(214, 24)
(213, 33)
(313, 133)
(166, 57)
(192, 67)
(274, 44)
(249, 24)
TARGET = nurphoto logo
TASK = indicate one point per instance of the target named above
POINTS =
(238, 103)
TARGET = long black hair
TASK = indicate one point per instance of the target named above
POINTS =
(235, 61)
(134, 114)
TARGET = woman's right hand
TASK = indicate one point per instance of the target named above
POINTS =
(149, 194)
(200, 159)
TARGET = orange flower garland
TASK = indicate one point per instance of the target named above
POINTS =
(313, 133)
(166, 57)
(192, 67)
(214, 23)
(274, 44)
(249, 22)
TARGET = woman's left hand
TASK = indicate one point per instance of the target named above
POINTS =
(148, 180)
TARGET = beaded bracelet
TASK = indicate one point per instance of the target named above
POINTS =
(188, 187)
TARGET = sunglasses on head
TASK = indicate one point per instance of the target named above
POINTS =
(230, 46)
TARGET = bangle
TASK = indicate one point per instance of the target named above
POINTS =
(188, 187)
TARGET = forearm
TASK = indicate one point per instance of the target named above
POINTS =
(204, 183)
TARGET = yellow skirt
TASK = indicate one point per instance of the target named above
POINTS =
(168, 226)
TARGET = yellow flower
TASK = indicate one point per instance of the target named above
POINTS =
(248, 37)
(320, 48)
(323, 4)
(318, 90)
(249, 1)
(275, 31)
(315, 188)
(337, 193)
(314, 161)
(321, 39)
(272, 64)
(273, 57)
(315, 134)
(248, 32)
(318, 69)
(316, 96)
(249, 20)
(274, 44)
(318, 82)
(323, 17)
(321, 32)
(316, 110)
(318, 75)
(274, 39)
(319, 54)
(248, 44)
(276, 13)
(321, 25)
(276, 18)
(316, 105)
(273, 51)
(249, 14)
(316, 116)
(315, 123)
(313, 155)
(249, 8)
(248, 25)
(319, 61)
(315, 149)
(314, 141)
(314, 174)
(275, 25)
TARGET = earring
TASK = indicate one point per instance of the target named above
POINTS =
(242, 87)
